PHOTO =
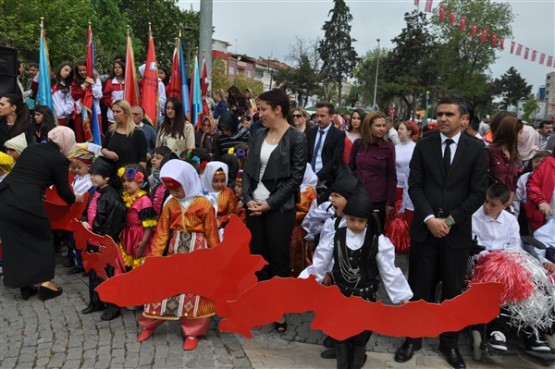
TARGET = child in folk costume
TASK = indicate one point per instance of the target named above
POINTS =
(188, 222)
(140, 219)
(158, 192)
(360, 255)
(298, 251)
(214, 182)
(104, 215)
(240, 210)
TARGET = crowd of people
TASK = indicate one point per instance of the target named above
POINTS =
(316, 192)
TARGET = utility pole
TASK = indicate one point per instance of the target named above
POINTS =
(376, 80)
(205, 36)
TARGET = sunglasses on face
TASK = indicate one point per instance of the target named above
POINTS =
(297, 115)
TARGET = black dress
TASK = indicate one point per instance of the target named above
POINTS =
(24, 227)
(130, 149)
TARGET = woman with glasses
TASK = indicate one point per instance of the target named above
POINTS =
(300, 118)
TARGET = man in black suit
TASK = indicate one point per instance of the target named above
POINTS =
(325, 144)
(447, 184)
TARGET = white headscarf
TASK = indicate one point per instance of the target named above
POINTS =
(17, 143)
(185, 174)
(310, 178)
(209, 172)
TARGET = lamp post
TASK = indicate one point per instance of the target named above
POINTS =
(377, 73)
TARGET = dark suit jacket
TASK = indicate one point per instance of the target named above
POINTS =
(459, 194)
(284, 170)
(38, 167)
(332, 150)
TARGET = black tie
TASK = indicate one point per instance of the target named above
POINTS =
(318, 144)
(447, 155)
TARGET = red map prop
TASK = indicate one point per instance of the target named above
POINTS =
(341, 317)
(108, 250)
(221, 274)
(59, 212)
(226, 275)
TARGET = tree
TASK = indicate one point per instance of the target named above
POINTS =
(304, 78)
(512, 87)
(221, 80)
(529, 110)
(464, 59)
(336, 49)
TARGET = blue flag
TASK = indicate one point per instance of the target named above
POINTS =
(184, 84)
(44, 94)
(197, 95)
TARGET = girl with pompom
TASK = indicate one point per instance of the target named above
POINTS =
(140, 217)
(188, 222)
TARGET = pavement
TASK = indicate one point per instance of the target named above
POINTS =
(54, 334)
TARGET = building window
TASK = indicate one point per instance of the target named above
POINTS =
(249, 74)
(231, 71)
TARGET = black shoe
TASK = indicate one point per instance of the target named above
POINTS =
(110, 314)
(329, 342)
(329, 353)
(68, 263)
(453, 357)
(28, 291)
(405, 352)
(46, 293)
(92, 308)
(75, 270)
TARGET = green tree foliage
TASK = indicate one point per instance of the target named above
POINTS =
(464, 59)
(166, 19)
(529, 110)
(336, 49)
(66, 24)
(304, 78)
(512, 87)
(220, 79)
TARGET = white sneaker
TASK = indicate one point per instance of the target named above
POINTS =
(498, 341)
(539, 346)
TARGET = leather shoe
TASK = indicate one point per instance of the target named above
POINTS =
(110, 314)
(405, 352)
(453, 357)
(328, 353)
(46, 293)
(75, 270)
(28, 291)
(92, 308)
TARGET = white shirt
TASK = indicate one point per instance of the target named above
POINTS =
(319, 164)
(261, 193)
(393, 279)
(314, 220)
(82, 184)
(393, 136)
(496, 234)
(403, 155)
(453, 146)
(546, 235)
(520, 194)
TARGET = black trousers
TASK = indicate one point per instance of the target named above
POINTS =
(271, 238)
(431, 262)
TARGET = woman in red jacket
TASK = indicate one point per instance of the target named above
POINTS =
(539, 189)
(114, 89)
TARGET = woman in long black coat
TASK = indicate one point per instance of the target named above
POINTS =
(24, 227)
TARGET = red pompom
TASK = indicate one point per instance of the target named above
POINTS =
(397, 230)
(506, 268)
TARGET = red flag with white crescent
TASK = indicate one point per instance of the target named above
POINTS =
(493, 39)
(428, 7)
(174, 86)
(442, 12)
(452, 17)
(484, 35)
(526, 50)
(131, 89)
(549, 61)
(502, 43)
(512, 47)
(462, 24)
(149, 98)
(519, 50)
(542, 58)
(534, 53)
(474, 30)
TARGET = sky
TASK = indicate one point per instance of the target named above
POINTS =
(264, 28)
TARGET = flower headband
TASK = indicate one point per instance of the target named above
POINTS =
(132, 174)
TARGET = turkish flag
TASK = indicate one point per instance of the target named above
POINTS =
(416, 2)
(534, 55)
(474, 30)
(512, 47)
(441, 12)
(549, 61)
(484, 35)
(452, 17)
(493, 39)
(542, 58)
(519, 50)
(150, 92)
(462, 24)
(502, 43)
(428, 7)
(526, 53)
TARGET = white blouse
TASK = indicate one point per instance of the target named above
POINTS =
(403, 155)
(261, 193)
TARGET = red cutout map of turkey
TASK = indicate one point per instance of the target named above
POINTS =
(226, 275)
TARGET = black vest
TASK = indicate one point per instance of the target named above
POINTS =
(364, 259)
